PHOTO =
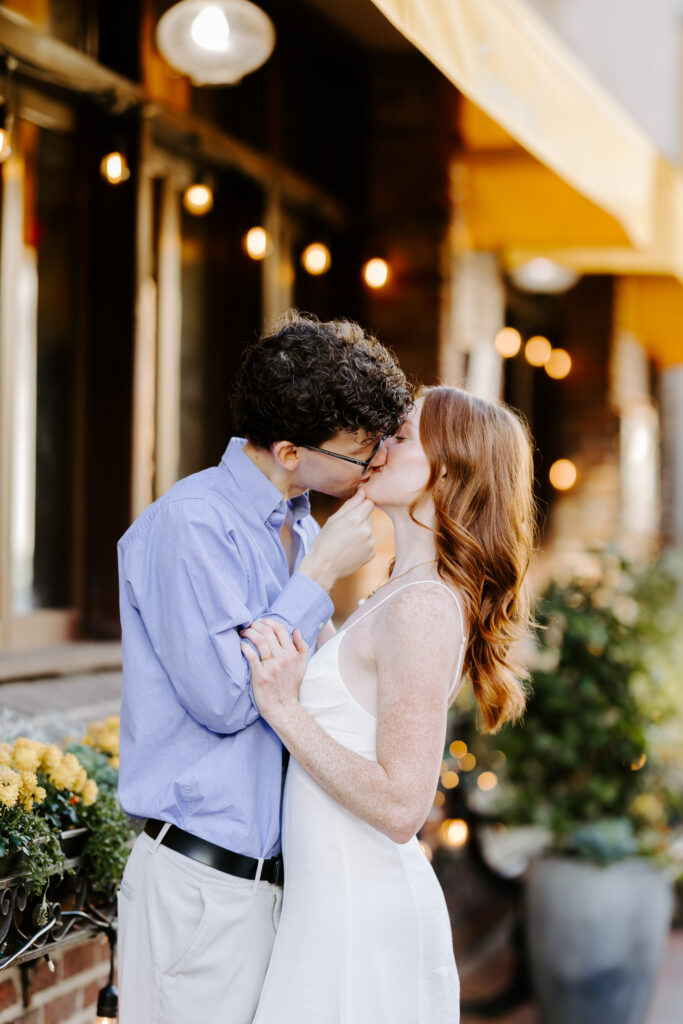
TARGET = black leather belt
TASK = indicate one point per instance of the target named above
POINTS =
(216, 856)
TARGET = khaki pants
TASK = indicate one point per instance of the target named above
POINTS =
(194, 943)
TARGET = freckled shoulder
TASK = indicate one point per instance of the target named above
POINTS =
(424, 619)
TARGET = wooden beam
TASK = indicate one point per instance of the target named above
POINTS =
(46, 59)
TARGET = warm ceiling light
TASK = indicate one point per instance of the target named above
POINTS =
(559, 364)
(198, 199)
(210, 30)
(256, 243)
(114, 168)
(508, 342)
(449, 780)
(544, 276)
(537, 350)
(376, 273)
(316, 258)
(562, 474)
(215, 43)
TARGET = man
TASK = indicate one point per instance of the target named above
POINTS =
(200, 898)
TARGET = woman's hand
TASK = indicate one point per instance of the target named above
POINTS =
(277, 669)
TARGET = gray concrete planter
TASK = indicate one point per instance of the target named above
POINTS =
(596, 938)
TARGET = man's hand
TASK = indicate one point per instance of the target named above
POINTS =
(277, 669)
(343, 545)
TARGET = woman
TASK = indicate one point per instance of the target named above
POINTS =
(364, 936)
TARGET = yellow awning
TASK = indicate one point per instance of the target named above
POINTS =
(502, 56)
(664, 255)
(652, 309)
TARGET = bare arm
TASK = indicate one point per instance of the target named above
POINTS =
(416, 649)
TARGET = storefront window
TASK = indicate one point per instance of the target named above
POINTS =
(45, 347)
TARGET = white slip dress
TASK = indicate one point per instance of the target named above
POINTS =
(364, 936)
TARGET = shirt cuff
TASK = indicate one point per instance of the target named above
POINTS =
(302, 604)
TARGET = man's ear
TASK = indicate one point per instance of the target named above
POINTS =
(286, 454)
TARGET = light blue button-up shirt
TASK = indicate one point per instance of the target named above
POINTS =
(197, 565)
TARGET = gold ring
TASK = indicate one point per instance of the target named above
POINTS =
(267, 656)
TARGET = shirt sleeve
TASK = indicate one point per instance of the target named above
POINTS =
(191, 590)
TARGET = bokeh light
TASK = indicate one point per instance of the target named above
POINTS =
(198, 199)
(256, 243)
(508, 342)
(487, 781)
(376, 273)
(537, 350)
(562, 474)
(114, 168)
(454, 832)
(559, 364)
(316, 258)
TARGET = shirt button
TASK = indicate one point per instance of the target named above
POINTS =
(321, 625)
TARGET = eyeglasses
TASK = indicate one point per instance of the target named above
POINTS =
(347, 458)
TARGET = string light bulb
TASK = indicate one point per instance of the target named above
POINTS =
(198, 199)
(316, 258)
(508, 342)
(562, 474)
(376, 273)
(559, 364)
(114, 168)
(256, 243)
(537, 350)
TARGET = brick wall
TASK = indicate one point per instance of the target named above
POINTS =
(67, 996)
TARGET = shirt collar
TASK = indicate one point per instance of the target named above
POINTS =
(263, 495)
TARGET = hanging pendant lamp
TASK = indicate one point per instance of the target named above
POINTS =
(215, 42)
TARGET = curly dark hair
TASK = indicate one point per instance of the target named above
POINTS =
(305, 381)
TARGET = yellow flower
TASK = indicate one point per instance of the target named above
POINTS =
(89, 793)
(26, 802)
(9, 787)
(26, 754)
(51, 757)
(115, 762)
(5, 755)
(66, 773)
(104, 736)
(39, 795)
(80, 781)
(29, 783)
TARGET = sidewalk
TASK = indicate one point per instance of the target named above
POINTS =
(54, 709)
(666, 1008)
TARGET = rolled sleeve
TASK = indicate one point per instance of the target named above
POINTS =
(302, 604)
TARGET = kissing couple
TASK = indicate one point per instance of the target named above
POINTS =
(284, 768)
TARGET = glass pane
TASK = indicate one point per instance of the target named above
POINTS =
(43, 439)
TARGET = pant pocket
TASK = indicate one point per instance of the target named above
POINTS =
(186, 937)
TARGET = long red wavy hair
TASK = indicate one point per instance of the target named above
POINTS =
(481, 483)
